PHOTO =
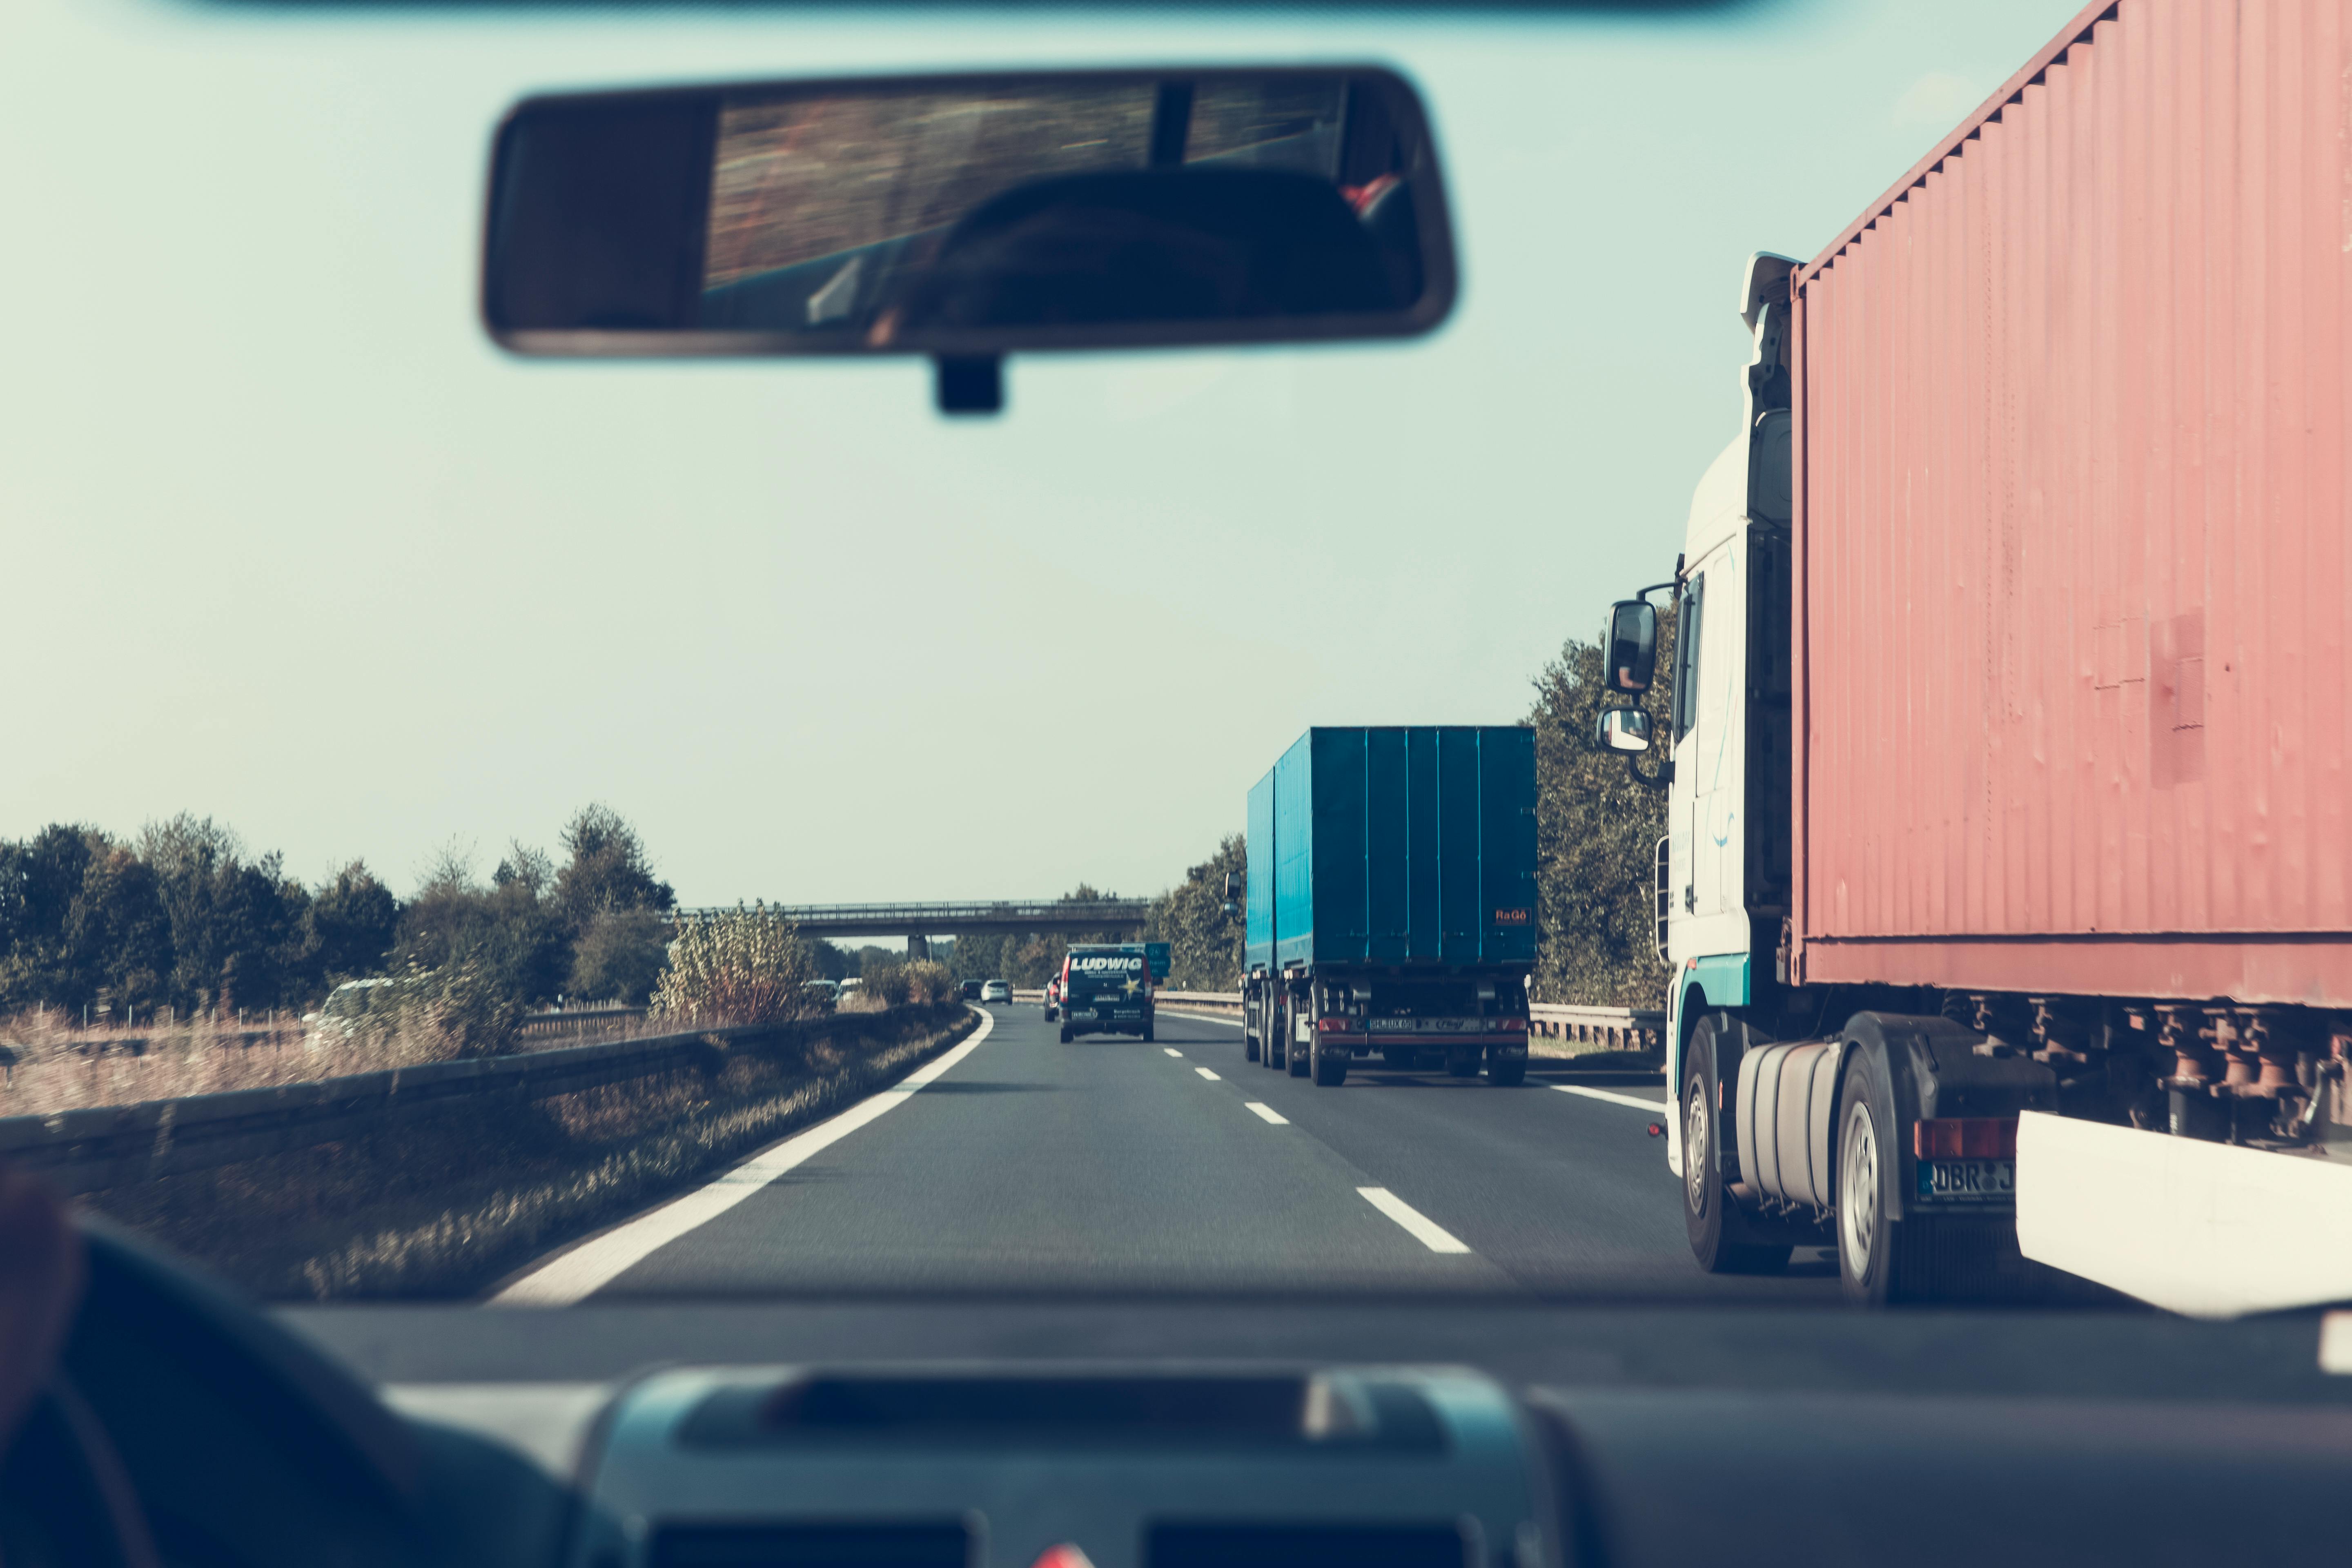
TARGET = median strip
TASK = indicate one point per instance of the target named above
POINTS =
(1657, 1106)
(1422, 1228)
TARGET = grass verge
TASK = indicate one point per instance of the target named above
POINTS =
(443, 1208)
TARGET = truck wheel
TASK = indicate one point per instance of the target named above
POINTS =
(1299, 1059)
(1147, 1033)
(1330, 1069)
(1065, 1033)
(1714, 1225)
(1461, 1065)
(1249, 1048)
(1506, 1074)
(1869, 1238)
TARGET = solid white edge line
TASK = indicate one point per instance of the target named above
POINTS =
(1205, 1073)
(1613, 1098)
(1205, 1018)
(1422, 1228)
(1172, 1050)
(596, 1263)
(1267, 1113)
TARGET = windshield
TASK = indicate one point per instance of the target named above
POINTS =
(386, 702)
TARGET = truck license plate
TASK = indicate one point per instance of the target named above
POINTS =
(1967, 1181)
(1419, 1026)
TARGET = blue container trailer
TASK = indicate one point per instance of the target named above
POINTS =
(1391, 905)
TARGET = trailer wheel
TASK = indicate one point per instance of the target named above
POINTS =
(1298, 1058)
(1869, 1237)
(1506, 1074)
(1249, 1048)
(1065, 1033)
(1714, 1225)
(1330, 1069)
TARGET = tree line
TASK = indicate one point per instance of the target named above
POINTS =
(184, 916)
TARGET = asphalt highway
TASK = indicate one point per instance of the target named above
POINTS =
(1113, 1166)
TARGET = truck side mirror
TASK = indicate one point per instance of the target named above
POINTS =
(1630, 646)
(1624, 730)
(1232, 895)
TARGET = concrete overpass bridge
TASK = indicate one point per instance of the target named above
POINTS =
(917, 923)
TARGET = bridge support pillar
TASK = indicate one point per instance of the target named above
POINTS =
(918, 947)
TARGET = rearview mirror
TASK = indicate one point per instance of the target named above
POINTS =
(1630, 646)
(968, 216)
(1624, 730)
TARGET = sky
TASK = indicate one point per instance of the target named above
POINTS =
(290, 543)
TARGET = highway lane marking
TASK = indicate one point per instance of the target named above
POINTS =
(1172, 1050)
(1205, 1073)
(596, 1263)
(1206, 1018)
(1425, 1230)
(1267, 1113)
(1613, 1098)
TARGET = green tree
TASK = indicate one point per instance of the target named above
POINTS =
(1596, 838)
(608, 869)
(619, 956)
(1204, 942)
(351, 924)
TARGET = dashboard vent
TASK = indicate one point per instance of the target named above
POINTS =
(1308, 1546)
(826, 1545)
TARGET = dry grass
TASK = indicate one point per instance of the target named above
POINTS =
(59, 1068)
(446, 1207)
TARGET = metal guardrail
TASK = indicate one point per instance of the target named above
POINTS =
(1620, 1029)
(946, 917)
(1617, 1028)
(101, 1146)
(572, 1021)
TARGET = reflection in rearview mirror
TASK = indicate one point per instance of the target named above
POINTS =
(967, 217)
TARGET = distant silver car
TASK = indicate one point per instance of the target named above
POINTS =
(996, 991)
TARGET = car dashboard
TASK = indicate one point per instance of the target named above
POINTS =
(1034, 1434)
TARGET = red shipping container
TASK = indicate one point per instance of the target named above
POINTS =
(2072, 578)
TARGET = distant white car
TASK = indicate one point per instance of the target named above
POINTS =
(996, 991)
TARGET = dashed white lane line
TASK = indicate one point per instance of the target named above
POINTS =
(1613, 1098)
(1172, 1050)
(1424, 1229)
(592, 1265)
(1205, 1073)
(1268, 1113)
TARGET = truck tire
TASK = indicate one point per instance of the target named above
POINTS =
(1147, 1033)
(1716, 1227)
(1299, 1059)
(1065, 1033)
(1249, 1048)
(1330, 1069)
(1506, 1074)
(1868, 1165)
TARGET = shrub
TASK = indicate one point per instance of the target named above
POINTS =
(466, 1007)
(740, 966)
(619, 955)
